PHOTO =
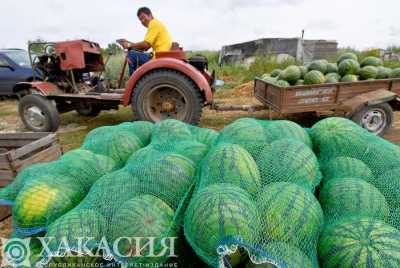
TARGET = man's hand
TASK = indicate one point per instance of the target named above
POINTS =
(126, 44)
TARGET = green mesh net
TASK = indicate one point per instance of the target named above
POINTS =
(257, 194)
(147, 197)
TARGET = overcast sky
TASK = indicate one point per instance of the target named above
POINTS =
(203, 24)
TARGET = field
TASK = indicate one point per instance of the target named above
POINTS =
(74, 127)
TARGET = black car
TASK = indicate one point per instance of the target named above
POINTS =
(14, 67)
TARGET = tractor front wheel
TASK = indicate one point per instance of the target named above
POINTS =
(38, 113)
(88, 109)
(167, 94)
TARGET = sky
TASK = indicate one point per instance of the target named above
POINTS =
(203, 24)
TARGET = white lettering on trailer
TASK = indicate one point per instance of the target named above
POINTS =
(314, 100)
(315, 91)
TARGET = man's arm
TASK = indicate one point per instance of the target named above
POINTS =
(140, 45)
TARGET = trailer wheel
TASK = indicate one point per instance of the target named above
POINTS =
(376, 118)
(167, 94)
(38, 114)
(88, 109)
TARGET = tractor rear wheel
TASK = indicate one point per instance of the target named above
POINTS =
(38, 113)
(167, 94)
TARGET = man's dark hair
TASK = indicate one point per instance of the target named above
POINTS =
(144, 10)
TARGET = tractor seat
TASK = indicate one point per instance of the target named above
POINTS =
(176, 52)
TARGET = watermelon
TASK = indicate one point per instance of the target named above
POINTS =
(204, 135)
(332, 68)
(282, 83)
(230, 163)
(85, 166)
(77, 223)
(291, 74)
(395, 73)
(151, 217)
(347, 198)
(283, 255)
(246, 132)
(349, 78)
(276, 72)
(389, 184)
(118, 145)
(368, 72)
(303, 70)
(319, 65)
(299, 82)
(218, 213)
(348, 67)
(371, 61)
(289, 161)
(314, 77)
(347, 167)
(168, 177)
(330, 79)
(171, 129)
(346, 56)
(142, 129)
(193, 150)
(42, 201)
(271, 80)
(360, 243)
(290, 214)
(285, 129)
(383, 72)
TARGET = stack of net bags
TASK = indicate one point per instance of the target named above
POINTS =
(272, 194)
(129, 180)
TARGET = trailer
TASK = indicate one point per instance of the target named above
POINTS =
(368, 103)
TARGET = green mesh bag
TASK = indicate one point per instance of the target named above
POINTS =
(191, 149)
(151, 217)
(217, 214)
(204, 135)
(360, 243)
(169, 130)
(346, 198)
(347, 167)
(230, 163)
(292, 215)
(113, 142)
(147, 196)
(78, 223)
(42, 201)
(283, 129)
(141, 129)
(246, 132)
(289, 161)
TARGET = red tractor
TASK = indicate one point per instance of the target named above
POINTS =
(169, 86)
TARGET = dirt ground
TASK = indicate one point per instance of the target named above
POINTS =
(74, 127)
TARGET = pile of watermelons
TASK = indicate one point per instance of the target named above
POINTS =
(257, 192)
(347, 69)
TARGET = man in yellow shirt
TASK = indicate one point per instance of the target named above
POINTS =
(157, 38)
